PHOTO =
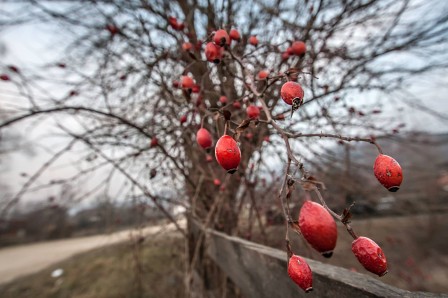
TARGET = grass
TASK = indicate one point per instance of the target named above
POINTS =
(416, 248)
(153, 268)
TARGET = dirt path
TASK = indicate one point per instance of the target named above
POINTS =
(26, 259)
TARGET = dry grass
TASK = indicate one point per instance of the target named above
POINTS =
(416, 248)
(111, 272)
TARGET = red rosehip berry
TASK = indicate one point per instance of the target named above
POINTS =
(263, 74)
(196, 89)
(187, 46)
(237, 105)
(4, 77)
(235, 35)
(204, 138)
(180, 26)
(285, 56)
(73, 93)
(291, 91)
(172, 21)
(370, 255)
(187, 82)
(228, 153)
(112, 29)
(300, 272)
(221, 38)
(223, 99)
(298, 48)
(281, 117)
(318, 228)
(213, 53)
(253, 112)
(388, 172)
(267, 139)
(208, 158)
(175, 24)
(154, 142)
(289, 51)
(183, 119)
(253, 40)
(176, 84)
(217, 182)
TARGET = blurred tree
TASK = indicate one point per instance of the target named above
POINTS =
(118, 82)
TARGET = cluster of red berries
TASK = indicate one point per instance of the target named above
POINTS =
(319, 229)
(227, 152)
(178, 26)
(298, 48)
(316, 224)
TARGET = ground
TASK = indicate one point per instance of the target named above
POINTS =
(416, 248)
(111, 272)
(30, 258)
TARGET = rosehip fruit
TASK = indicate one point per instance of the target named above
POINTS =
(237, 105)
(318, 228)
(298, 48)
(253, 112)
(4, 77)
(253, 40)
(112, 29)
(370, 255)
(388, 172)
(262, 75)
(221, 38)
(175, 24)
(300, 272)
(208, 158)
(183, 119)
(285, 56)
(187, 82)
(234, 35)
(172, 21)
(228, 153)
(180, 26)
(154, 142)
(213, 53)
(186, 46)
(204, 138)
(196, 89)
(223, 99)
(217, 182)
(291, 91)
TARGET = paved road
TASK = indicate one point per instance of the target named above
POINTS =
(25, 259)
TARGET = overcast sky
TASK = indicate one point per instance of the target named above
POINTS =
(31, 46)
